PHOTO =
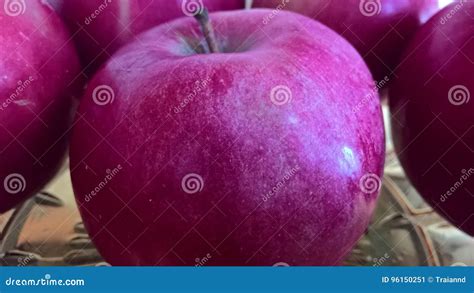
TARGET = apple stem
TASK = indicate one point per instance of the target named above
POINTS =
(248, 4)
(207, 29)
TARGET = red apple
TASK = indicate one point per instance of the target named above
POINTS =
(379, 29)
(267, 149)
(433, 113)
(100, 27)
(38, 68)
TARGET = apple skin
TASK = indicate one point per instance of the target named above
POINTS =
(433, 129)
(379, 38)
(171, 112)
(118, 22)
(39, 67)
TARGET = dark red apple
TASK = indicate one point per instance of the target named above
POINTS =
(379, 29)
(100, 27)
(267, 149)
(38, 69)
(433, 113)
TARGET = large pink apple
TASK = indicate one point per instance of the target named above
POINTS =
(433, 113)
(100, 27)
(379, 29)
(267, 152)
(38, 70)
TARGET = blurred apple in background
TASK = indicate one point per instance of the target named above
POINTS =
(433, 113)
(378, 29)
(267, 150)
(38, 70)
(100, 27)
